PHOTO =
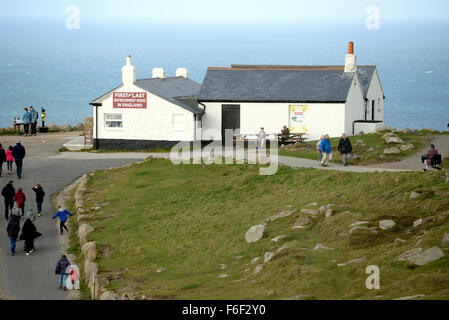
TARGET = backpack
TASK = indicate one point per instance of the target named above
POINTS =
(58, 269)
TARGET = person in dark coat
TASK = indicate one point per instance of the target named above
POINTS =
(28, 234)
(8, 194)
(13, 230)
(19, 153)
(2, 158)
(40, 194)
(345, 148)
(63, 263)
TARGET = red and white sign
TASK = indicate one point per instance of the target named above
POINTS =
(133, 100)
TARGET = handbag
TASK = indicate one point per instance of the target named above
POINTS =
(58, 269)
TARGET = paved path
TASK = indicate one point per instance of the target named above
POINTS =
(32, 277)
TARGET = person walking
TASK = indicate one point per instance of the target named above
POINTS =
(26, 121)
(29, 233)
(19, 152)
(325, 148)
(13, 230)
(8, 193)
(261, 138)
(345, 148)
(34, 116)
(2, 158)
(20, 200)
(62, 214)
(40, 194)
(9, 159)
(61, 270)
(318, 147)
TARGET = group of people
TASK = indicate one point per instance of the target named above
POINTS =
(15, 212)
(324, 148)
(29, 119)
(12, 154)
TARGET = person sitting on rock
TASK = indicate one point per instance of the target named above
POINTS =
(427, 158)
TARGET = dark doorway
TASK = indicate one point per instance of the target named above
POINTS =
(230, 118)
(372, 111)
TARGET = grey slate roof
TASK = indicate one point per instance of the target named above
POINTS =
(280, 83)
(177, 90)
(365, 74)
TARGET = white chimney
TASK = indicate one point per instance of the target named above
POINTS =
(182, 72)
(159, 73)
(128, 72)
(351, 59)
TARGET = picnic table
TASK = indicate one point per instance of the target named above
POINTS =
(293, 137)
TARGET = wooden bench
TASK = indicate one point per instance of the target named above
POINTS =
(293, 137)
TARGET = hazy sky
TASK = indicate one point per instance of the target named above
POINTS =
(228, 10)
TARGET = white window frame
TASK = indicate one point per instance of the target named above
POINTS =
(106, 120)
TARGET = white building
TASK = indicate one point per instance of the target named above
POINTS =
(307, 99)
(148, 113)
(160, 112)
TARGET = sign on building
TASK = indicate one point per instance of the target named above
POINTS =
(133, 100)
(298, 118)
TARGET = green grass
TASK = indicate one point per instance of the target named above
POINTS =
(370, 154)
(190, 219)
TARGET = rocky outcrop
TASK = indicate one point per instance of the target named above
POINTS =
(392, 150)
(302, 223)
(415, 195)
(386, 224)
(320, 246)
(255, 233)
(419, 257)
(280, 215)
(83, 231)
(407, 147)
(310, 212)
(360, 235)
(391, 138)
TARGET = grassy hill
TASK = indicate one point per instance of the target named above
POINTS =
(191, 220)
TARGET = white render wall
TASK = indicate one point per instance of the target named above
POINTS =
(355, 106)
(375, 93)
(152, 123)
(321, 118)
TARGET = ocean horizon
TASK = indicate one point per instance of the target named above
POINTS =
(44, 64)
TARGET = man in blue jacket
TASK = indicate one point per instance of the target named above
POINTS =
(325, 148)
(19, 154)
(26, 118)
(62, 214)
(34, 116)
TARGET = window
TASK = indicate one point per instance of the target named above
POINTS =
(178, 122)
(113, 120)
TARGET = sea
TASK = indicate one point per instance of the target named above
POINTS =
(46, 65)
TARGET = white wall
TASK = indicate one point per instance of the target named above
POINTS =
(153, 123)
(355, 106)
(366, 127)
(321, 118)
(375, 93)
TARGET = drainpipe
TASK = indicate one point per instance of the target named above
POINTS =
(96, 105)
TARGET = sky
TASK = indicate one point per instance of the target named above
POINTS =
(197, 11)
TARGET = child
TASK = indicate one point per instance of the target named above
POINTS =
(20, 199)
(9, 159)
(62, 214)
(30, 215)
(40, 194)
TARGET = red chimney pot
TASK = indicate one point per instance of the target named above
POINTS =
(351, 48)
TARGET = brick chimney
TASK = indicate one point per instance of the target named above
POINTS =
(351, 59)
(128, 72)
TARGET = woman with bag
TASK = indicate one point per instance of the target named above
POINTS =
(61, 270)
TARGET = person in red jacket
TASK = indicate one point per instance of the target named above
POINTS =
(20, 199)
